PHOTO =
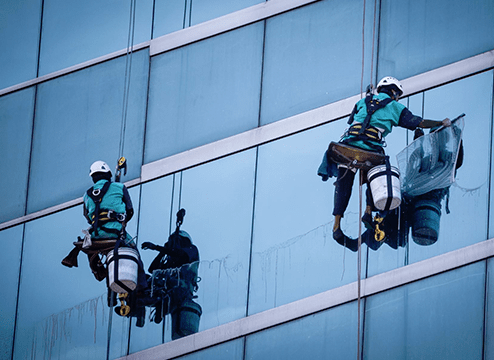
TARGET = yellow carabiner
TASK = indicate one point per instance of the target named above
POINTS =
(379, 234)
(124, 309)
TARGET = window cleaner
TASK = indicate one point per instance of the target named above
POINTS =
(371, 120)
(108, 207)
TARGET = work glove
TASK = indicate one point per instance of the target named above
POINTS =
(446, 122)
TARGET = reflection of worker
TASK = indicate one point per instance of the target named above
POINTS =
(371, 120)
(107, 205)
(175, 275)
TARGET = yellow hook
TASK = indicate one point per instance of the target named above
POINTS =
(379, 234)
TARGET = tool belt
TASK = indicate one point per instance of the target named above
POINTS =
(370, 133)
(354, 157)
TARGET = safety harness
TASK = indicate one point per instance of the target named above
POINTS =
(103, 216)
(364, 131)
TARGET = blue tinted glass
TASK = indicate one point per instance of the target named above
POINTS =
(78, 121)
(204, 10)
(16, 121)
(294, 254)
(436, 318)
(10, 260)
(154, 226)
(232, 350)
(468, 196)
(90, 29)
(489, 321)
(313, 57)
(204, 92)
(416, 36)
(19, 26)
(68, 316)
(218, 198)
(168, 16)
(331, 334)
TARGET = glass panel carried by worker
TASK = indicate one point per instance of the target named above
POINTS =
(429, 162)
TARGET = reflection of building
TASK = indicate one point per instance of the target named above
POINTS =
(240, 107)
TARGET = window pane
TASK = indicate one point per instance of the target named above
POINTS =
(19, 26)
(78, 121)
(90, 29)
(232, 350)
(154, 226)
(331, 334)
(294, 254)
(416, 36)
(10, 261)
(62, 310)
(466, 223)
(218, 198)
(489, 321)
(204, 10)
(436, 318)
(168, 16)
(313, 57)
(16, 114)
(204, 92)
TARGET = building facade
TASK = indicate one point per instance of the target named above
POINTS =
(225, 108)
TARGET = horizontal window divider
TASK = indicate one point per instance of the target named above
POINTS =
(181, 37)
(223, 24)
(72, 69)
(319, 302)
(282, 128)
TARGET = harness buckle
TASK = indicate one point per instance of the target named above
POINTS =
(116, 216)
(96, 192)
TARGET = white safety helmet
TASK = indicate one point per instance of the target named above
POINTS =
(99, 166)
(389, 81)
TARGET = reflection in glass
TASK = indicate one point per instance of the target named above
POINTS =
(169, 16)
(90, 29)
(468, 195)
(426, 30)
(489, 317)
(83, 111)
(436, 318)
(204, 92)
(19, 26)
(174, 282)
(311, 55)
(154, 226)
(293, 254)
(331, 334)
(218, 197)
(73, 319)
(204, 10)
(16, 114)
(232, 350)
(10, 261)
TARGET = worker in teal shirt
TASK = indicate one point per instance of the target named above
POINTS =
(371, 120)
(107, 205)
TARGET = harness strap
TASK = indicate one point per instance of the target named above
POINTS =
(388, 182)
(97, 196)
(372, 106)
(371, 132)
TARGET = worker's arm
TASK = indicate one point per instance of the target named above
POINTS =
(428, 124)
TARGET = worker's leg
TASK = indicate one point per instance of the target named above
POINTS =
(342, 193)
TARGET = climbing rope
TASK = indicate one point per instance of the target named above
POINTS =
(128, 71)
(359, 254)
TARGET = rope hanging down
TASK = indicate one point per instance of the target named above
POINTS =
(369, 88)
(128, 71)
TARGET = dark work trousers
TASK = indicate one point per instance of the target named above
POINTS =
(343, 190)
